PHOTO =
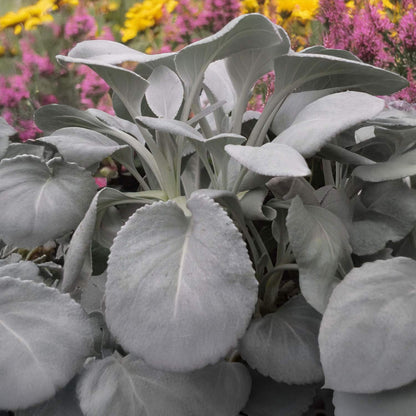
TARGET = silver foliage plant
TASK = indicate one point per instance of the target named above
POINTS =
(258, 258)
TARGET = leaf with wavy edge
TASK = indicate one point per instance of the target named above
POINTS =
(41, 201)
(127, 386)
(369, 351)
(45, 337)
(196, 269)
(284, 345)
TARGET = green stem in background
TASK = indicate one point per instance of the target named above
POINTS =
(327, 170)
(260, 244)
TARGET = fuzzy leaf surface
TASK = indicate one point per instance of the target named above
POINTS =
(196, 269)
(320, 243)
(284, 345)
(324, 118)
(41, 201)
(127, 386)
(45, 338)
(368, 351)
(400, 401)
(271, 159)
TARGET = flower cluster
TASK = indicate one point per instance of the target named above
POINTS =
(294, 16)
(382, 33)
(145, 15)
(30, 17)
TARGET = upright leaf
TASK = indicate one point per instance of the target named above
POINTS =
(127, 386)
(284, 345)
(326, 117)
(368, 328)
(165, 92)
(196, 270)
(307, 72)
(243, 33)
(45, 338)
(41, 201)
(78, 265)
(320, 244)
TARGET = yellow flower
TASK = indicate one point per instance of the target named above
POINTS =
(249, 6)
(2, 50)
(144, 15)
(298, 9)
(29, 16)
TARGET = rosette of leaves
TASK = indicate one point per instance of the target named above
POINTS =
(215, 283)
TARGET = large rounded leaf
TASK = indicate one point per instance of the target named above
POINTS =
(400, 402)
(367, 338)
(44, 336)
(127, 386)
(284, 344)
(180, 290)
(41, 201)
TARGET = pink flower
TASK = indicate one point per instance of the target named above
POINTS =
(101, 182)
(27, 130)
(334, 15)
(79, 24)
(32, 62)
(407, 30)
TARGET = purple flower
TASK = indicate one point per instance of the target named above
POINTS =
(80, 24)
(407, 30)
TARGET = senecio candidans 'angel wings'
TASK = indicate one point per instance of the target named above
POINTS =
(223, 271)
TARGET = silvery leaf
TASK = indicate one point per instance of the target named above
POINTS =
(320, 244)
(45, 338)
(64, 403)
(307, 72)
(196, 268)
(127, 386)
(45, 200)
(271, 159)
(401, 401)
(323, 119)
(397, 167)
(284, 344)
(86, 147)
(369, 352)
(165, 92)
(242, 33)
(175, 127)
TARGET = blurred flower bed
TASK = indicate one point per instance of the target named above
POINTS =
(382, 33)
